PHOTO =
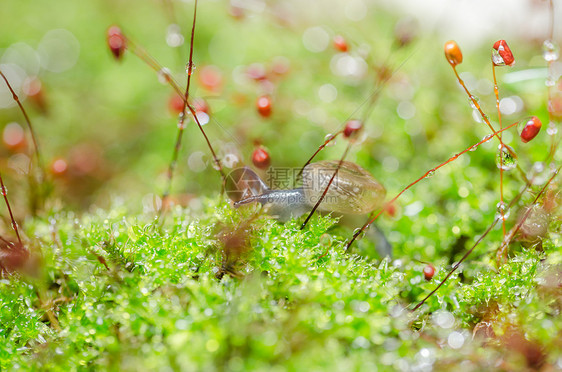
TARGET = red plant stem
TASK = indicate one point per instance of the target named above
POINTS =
(181, 125)
(431, 171)
(476, 104)
(497, 93)
(28, 121)
(320, 148)
(4, 192)
(458, 263)
(504, 243)
(327, 187)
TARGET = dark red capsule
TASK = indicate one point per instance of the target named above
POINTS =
(428, 272)
(340, 44)
(263, 105)
(352, 129)
(116, 41)
(175, 104)
(59, 167)
(261, 158)
(501, 54)
(531, 128)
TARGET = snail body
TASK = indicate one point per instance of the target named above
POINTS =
(353, 191)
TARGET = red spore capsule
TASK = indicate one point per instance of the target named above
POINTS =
(264, 106)
(116, 42)
(352, 129)
(175, 104)
(211, 78)
(261, 158)
(340, 44)
(453, 53)
(59, 167)
(501, 54)
(428, 272)
(530, 127)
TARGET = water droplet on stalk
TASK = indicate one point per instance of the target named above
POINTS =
(550, 51)
(164, 75)
(502, 211)
(473, 100)
(189, 68)
(332, 142)
(430, 174)
(217, 166)
(505, 159)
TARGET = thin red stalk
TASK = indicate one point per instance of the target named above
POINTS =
(504, 243)
(327, 187)
(27, 120)
(477, 105)
(4, 192)
(431, 171)
(458, 263)
(181, 125)
(320, 148)
(370, 100)
(144, 56)
(497, 93)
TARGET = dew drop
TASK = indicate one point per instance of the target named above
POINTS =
(4, 190)
(164, 75)
(359, 233)
(473, 100)
(550, 51)
(505, 158)
(476, 116)
(502, 211)
(497, 59)
(332, 142)
(217, 165)
(189, 68)
(550, 81)
(430, 174)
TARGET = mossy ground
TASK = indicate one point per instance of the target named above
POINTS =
(213, 291)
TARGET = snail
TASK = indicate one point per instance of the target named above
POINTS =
(353, 191)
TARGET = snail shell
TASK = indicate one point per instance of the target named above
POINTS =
(353, 190)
